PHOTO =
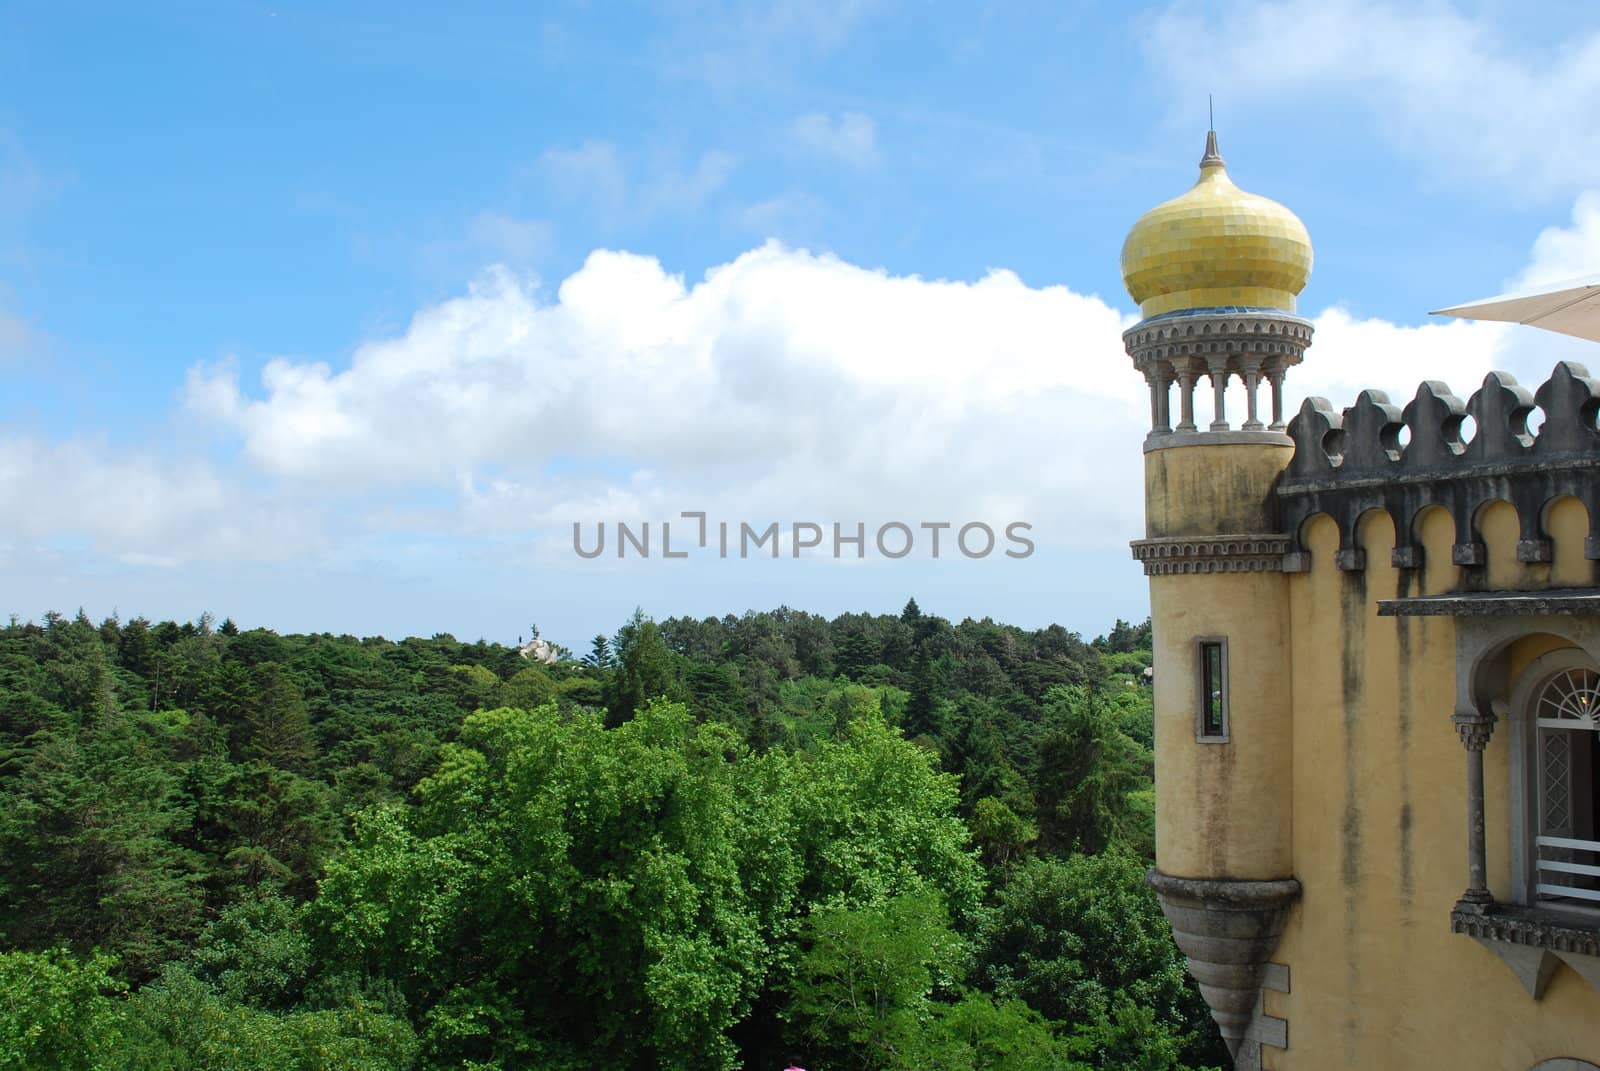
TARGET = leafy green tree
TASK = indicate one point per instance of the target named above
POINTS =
(255, 953)
(53, 1012)
(864, 980)
(1086, 771)
(644, 669)
(529, 687)
(599, 656)
(179, 1023)
(1000, 833)
(866, 996)
(1083, 941)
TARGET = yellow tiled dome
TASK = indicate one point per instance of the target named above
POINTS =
(1216, 246)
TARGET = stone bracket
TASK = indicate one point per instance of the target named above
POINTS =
(1264, 1029)
(1532, 942)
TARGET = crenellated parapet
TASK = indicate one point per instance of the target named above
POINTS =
(1377, 456)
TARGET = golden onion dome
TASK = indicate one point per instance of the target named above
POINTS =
(1215, 246)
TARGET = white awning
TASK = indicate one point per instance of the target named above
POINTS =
(1570, 308)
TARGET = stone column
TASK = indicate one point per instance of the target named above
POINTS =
(1475, 729)
(1218, 370)
(1252, 378)
(1186, 380)
(1275, 377)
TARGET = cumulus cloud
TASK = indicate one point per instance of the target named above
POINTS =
(1452, 89)
(783, 385)
(1562, 253)
(851, 139)
(134, 507)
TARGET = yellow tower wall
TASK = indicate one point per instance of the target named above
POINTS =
(1222, 809)
(1379, 839)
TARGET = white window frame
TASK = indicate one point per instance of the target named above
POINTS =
(1526, 798)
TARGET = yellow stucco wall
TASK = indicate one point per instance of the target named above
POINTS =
(1211, 490)
(1379, 819)
(1222, 809)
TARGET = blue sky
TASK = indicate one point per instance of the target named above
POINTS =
(338, 316)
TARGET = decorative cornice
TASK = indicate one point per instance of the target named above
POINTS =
(1247, 553)
(1512, 924)
(1190, 340)
(1269, 894)
(1569, 602)
(1532, 941)
(1167, 440)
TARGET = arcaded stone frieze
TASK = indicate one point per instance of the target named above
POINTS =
(1206, 333)
(1347, 463)
(1250, 553)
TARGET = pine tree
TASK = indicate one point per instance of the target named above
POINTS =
(277, 725)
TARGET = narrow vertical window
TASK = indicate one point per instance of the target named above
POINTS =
(1212, 716)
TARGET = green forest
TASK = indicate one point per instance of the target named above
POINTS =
(766, 841)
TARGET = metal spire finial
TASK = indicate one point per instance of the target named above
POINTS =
(1212, 158)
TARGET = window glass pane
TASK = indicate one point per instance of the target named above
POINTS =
(1211, 655)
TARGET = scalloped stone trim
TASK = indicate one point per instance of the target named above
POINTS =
(1249, 553)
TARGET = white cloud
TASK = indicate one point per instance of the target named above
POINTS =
(592, 171)
(783, 385)
(786, 385)
(851, 139)
(685, 191)
(1350, 355)
(782, 382)
(134, 507)
(1453, 90)
(1561, 253)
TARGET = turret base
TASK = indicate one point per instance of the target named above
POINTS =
(1228, 930)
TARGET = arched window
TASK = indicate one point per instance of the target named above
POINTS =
(1560, 699)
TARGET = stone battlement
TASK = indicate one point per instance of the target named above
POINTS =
(1351, 462)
